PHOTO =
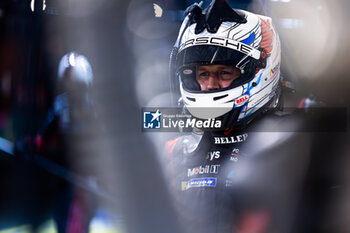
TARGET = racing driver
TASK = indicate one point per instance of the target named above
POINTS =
(225, 65)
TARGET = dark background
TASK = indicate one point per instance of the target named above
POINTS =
(128, 48)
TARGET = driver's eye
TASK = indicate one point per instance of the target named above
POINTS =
(224, 72)
(203, 74)
(226, 75)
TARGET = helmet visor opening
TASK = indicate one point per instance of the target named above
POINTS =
(191, 58)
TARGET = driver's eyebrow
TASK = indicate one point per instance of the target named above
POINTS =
(223, 67)
(202, 69)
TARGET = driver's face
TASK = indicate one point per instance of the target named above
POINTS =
(214, 77)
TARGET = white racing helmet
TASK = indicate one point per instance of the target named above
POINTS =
(75, 69)
(74, 83)
(75, 77)
(237, 38)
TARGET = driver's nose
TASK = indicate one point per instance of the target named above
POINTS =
(213, 82)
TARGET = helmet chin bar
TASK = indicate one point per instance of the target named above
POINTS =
(210, 105)
(228, 119)
(208, 112)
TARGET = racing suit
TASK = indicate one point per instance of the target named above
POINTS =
(238, 181)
